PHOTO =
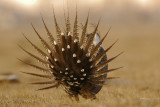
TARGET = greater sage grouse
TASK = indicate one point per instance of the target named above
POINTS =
(79, 64)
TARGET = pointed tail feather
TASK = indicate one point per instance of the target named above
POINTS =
(58, 30)
(44, 55)
(90, 41)
(38, 75)
(35, 66)
(68, 25)
(45, 44)
(99, 44)
(97, 58)
(37, 58)
(48, 33)
(106, 71)
(75, 30)
(83, 37)
(109, 78)
(41, 83)
(97, 67)
(53, 86)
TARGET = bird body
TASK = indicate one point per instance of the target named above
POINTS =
(79, 64)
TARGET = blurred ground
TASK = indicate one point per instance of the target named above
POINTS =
(138, 84)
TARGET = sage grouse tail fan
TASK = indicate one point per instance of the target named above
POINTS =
(79, 64)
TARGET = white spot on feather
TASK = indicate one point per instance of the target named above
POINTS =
(49, 51)
(82, 70)
(88, 54)
(71, 76)
(62, 34)
(78, 61)
(55, 43)
(75, 40)
(55, 59)
(74, 55)
(81, 78)
(47, 57)
(70, 83)
(66, 73)
(68, 46)
(81, 47)
(52, 66)
(75, 78)
(63, 49)
(69, 33)
(91, 66)
(84, 74)
(76, 82)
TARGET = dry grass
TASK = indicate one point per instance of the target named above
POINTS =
(138, 84)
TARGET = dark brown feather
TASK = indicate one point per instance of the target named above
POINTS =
(38, 75)
(83, 37)
(105, 71)
(97, 58)
(94, 50)
(90, 41)
(37, 58)
(41, 83)
(45, 44)
(75, 28)
(44, 55)
(58, 30)
(35, 66)
(49, 34)
(53, 86)
(99, 66)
